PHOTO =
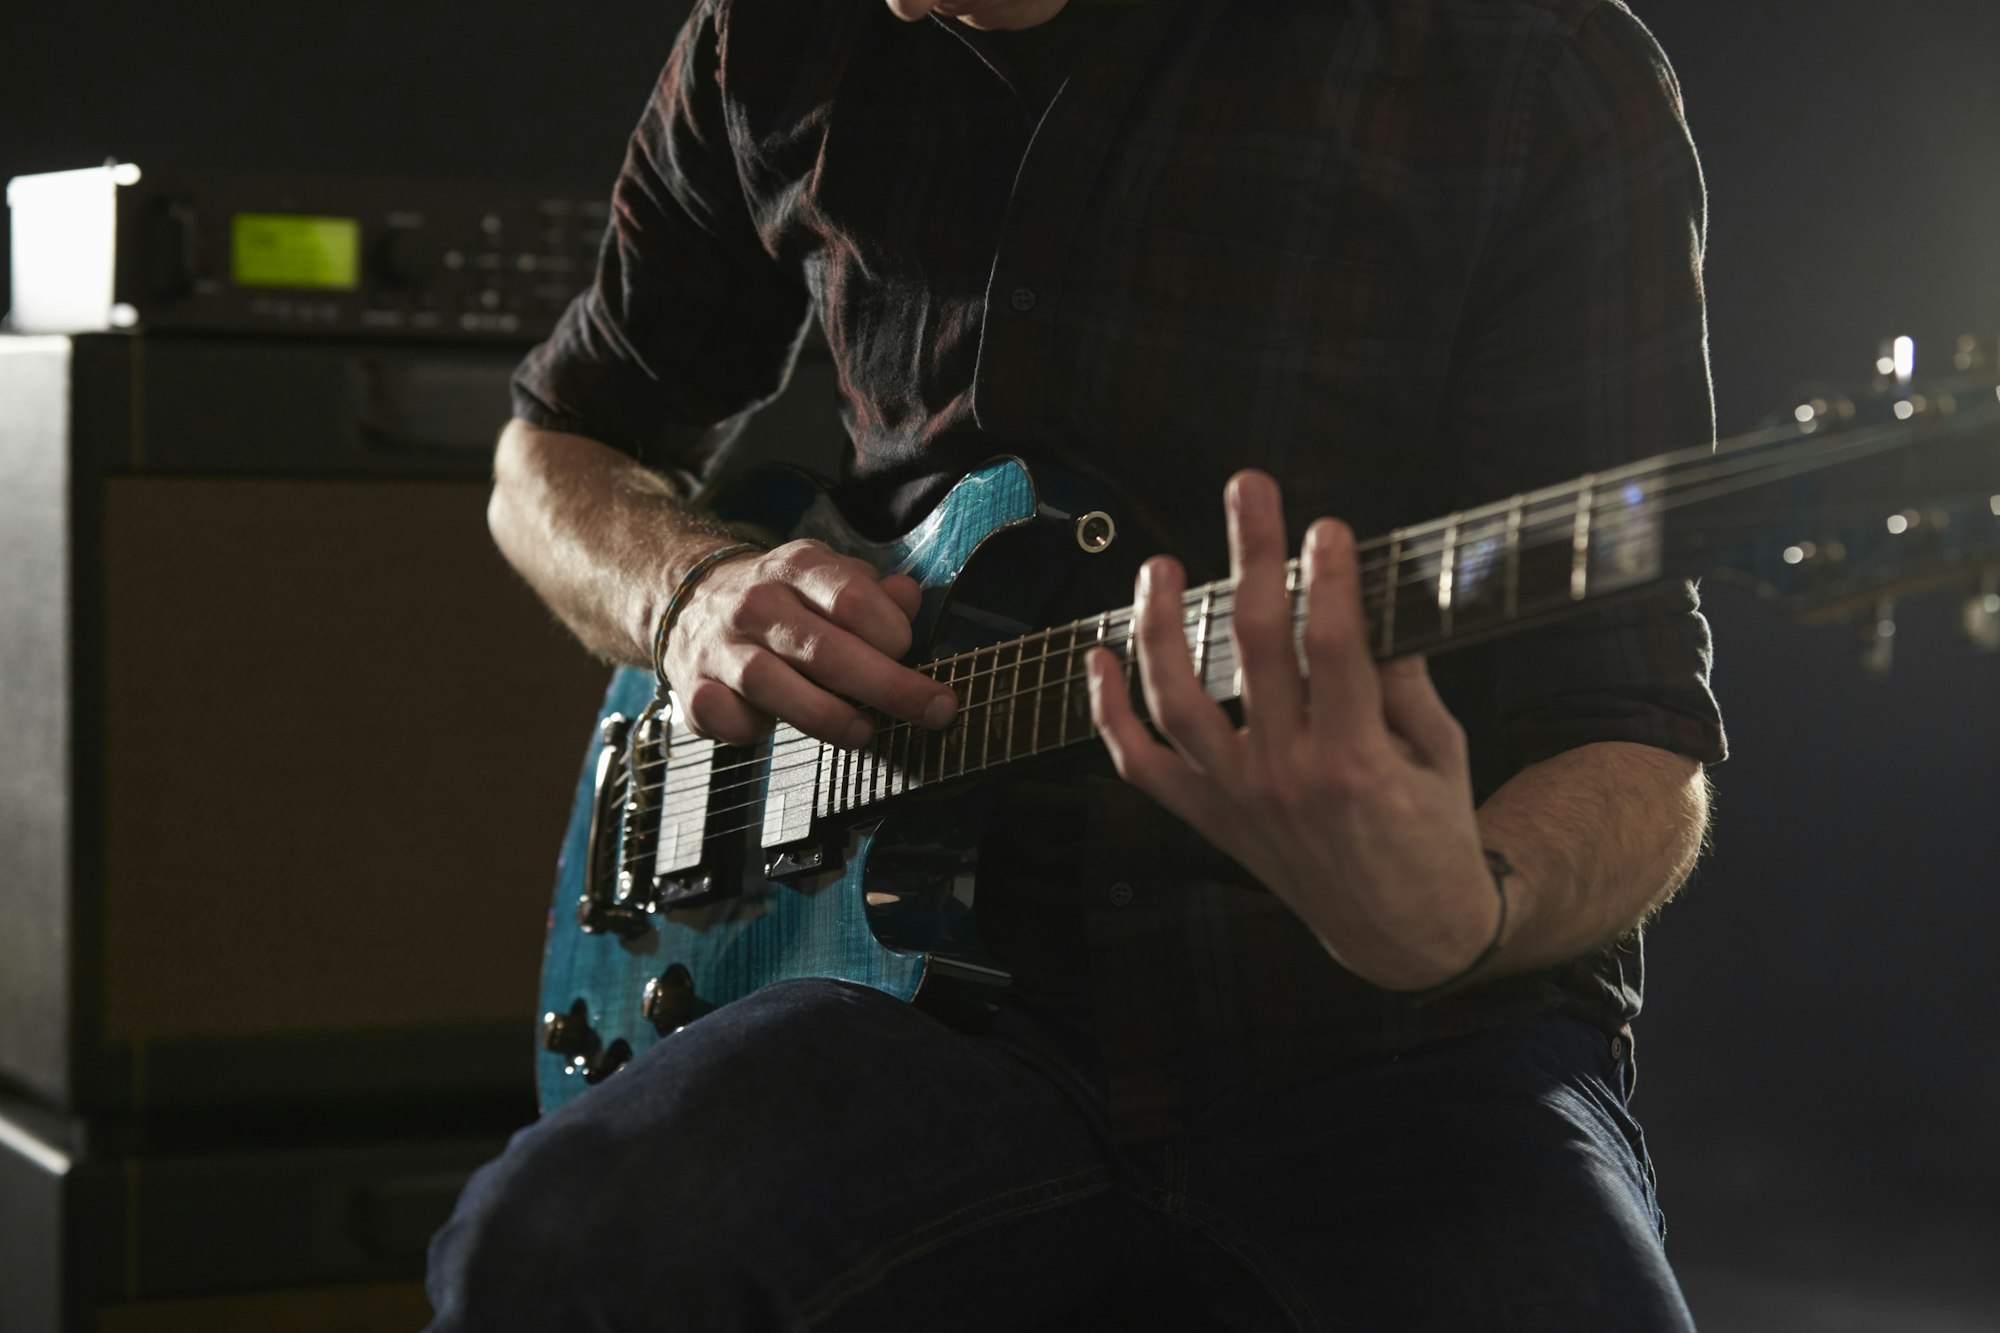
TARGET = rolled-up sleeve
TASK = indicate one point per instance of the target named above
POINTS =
(689, 322)
(1585, 347)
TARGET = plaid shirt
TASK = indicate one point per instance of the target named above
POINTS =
(1407, 255)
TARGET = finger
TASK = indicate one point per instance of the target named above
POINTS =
(772, 685)
(1191, 722)
(1414, 710)
(1266, 649)
(905, 592)
(851, 594)
(719, 713)
(1139, 759)
(911, 10)
(847, 665)
(1344, 690)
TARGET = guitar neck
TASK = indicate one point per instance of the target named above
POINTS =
(1472, 575)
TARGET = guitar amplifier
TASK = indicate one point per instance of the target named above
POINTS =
(287, 746)
(114, 247)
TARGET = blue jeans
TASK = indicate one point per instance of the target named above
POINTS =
(821, 1156)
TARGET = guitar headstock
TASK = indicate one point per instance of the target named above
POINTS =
(1864, 498)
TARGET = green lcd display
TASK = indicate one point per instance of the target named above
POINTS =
(291, 250)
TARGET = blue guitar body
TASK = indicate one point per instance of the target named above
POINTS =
(885, 901)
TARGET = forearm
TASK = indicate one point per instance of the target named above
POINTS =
(601, 538)
(1598, 836)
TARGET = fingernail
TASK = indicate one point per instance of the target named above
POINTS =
(939, 710)
(858, 735)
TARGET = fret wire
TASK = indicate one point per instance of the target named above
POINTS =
(1125, 660)
(1514, 512)
(1201, 635)
(1007, 742)
(986, 722)
(1041, 684)
(1069, 675)
(839, 780)
(1580, 568)
(1395, 565)
(876, 769)
(965, 713)
(1447, 576)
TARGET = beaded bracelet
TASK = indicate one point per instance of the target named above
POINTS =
(1500, 868)
(682, 591)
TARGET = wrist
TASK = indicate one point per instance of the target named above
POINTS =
(684, 588)
(1499, 872)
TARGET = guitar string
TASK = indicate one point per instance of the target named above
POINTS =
(1769, 467)
(872, 786)
(893, 734)
(1559, 525)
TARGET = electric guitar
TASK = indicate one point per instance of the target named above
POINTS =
(693, 872)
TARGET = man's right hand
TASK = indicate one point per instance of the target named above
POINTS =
(785, 634)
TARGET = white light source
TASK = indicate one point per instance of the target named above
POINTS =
(1906, 359)
(1905, 410)
(1804, 413)
(1898, 525)
(64, 236)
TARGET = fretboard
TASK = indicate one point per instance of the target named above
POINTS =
(1471, 575)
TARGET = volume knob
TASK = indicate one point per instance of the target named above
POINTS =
(669, 1002)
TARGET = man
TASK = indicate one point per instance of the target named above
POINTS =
(1319, 1020)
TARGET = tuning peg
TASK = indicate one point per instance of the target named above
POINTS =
(1878, 639)
(1981, 615)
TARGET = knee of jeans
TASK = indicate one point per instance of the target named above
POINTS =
(555, 1233)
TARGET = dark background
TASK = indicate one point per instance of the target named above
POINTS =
(1819, 1073)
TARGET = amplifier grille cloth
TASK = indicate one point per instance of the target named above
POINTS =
(341, 742)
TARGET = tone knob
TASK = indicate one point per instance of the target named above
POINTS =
(569, 1034)
(670, 1003)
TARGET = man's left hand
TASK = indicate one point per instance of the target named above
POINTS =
(1346, 790)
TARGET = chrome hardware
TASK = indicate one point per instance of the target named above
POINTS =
(599, 916)
(669, 1002)
(795, 861)
(683, 890)
(638, 827)
(1096, 531)
(607, 794)
(570, 1036)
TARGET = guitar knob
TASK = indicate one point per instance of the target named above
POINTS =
(569, 1035)
(669, 1002)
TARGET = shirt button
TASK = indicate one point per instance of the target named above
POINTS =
(1121, 894)
(1024, 299)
